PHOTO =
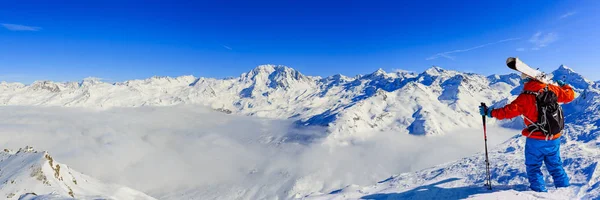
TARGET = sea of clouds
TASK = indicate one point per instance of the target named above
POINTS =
(190, 151)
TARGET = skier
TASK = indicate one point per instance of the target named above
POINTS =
(540, 147)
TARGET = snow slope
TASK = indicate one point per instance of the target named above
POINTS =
(353, 109)
(464, 178)
(29, 174)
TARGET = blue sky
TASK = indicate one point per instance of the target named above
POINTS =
(121, 40)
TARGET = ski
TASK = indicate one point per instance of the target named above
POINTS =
(518, 65)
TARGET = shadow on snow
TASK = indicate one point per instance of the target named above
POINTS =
(433, 191)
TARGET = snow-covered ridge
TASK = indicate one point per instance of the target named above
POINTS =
(29, 174)
(570, 76)
(427, 103)
(464, 178)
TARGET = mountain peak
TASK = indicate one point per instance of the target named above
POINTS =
(274, 76)
(379, 72)
(266, 70)
(90, 81)
(565, 68)
(571, 77)
(338, 77)
(269, 68)
(45, 85)
(15, 84)
(265, 67)
(434, 70)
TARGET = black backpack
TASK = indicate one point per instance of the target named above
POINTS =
(551, 120)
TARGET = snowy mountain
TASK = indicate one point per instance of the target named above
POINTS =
(29, 174)
(568, 75)
(429, 103)
(352, 109)
(464, 178)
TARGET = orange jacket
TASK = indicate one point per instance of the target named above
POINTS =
(525, 105)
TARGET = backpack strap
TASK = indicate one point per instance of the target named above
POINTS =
(545, 89)
(530, 92)
(533, 127)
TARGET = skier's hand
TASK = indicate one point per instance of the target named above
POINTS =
(561, 83)
(485, 111)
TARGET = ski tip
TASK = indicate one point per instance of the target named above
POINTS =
(511, 62)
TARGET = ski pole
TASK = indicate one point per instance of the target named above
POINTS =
(487, 160)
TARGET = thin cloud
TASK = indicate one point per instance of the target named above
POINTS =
(19, 27)
(448, 53)
(521, 49)
(541, 40)
(227, 47)
(567, 15)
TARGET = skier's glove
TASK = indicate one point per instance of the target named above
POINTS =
(561, 83)
(485, 112)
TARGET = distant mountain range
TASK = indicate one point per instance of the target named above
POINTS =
(433, 102)
(429, 103)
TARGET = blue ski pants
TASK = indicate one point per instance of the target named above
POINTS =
(548, 152)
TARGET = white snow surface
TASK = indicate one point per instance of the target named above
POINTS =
(464, 178)
(373, 125)
(29, 174)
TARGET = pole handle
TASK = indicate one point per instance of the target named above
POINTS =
(485, 108)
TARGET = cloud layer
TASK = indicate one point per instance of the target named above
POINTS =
(188, 150)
